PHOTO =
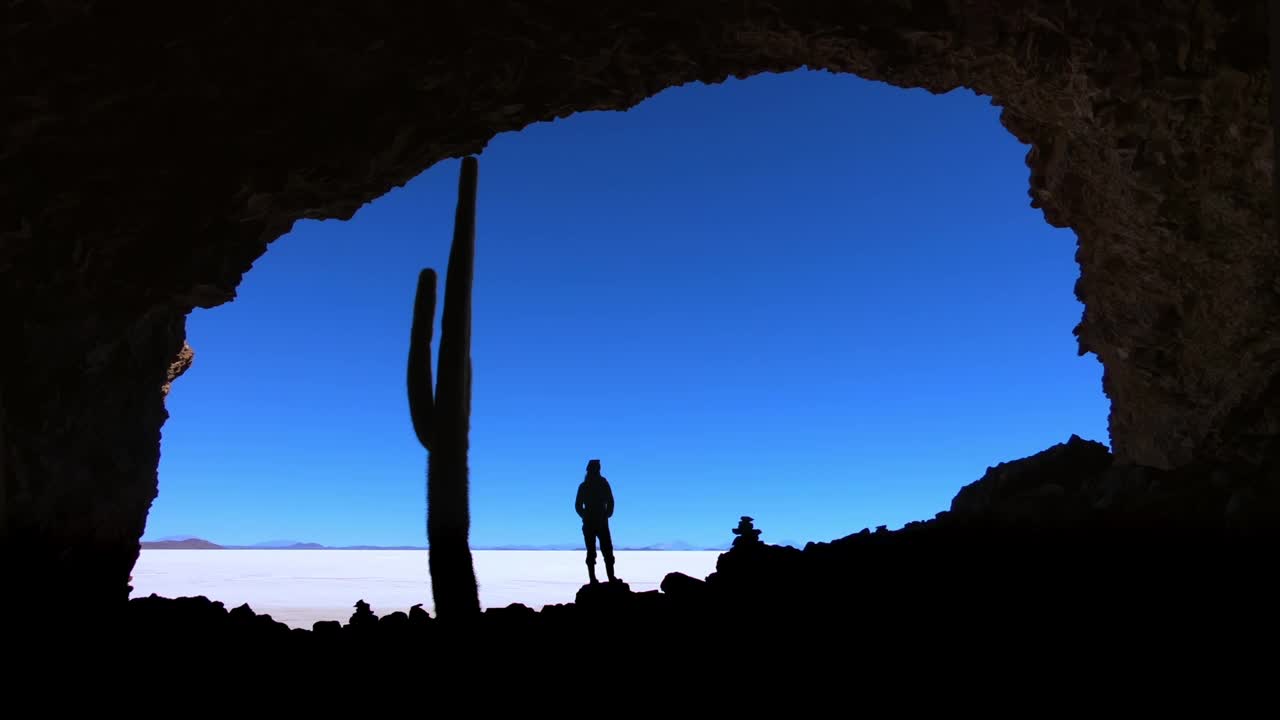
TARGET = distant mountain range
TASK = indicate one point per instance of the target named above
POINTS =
(187, 542)
(183, 544)
(279, 545)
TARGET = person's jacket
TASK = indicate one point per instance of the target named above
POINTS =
(595, 501)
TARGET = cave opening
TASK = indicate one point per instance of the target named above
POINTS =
(819, 300)
(155, 156)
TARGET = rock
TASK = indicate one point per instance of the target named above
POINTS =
(1237, 514)
(395, 622)
(681, 586)
(515, 614)
(605, 595)
(363, 617)
(326, 628)
(180, 365)
(756, 565)
(243, 620)
(243, 613)
(514, 609)
(419, 616)
(746, 532)
(1050, 484)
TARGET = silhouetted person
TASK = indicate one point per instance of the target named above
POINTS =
(595, 506)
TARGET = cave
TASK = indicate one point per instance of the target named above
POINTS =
(153, 153)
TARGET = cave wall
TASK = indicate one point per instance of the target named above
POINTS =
(152, 152)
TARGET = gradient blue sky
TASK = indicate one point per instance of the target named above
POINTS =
(809, 298)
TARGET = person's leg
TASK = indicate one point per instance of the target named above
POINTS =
(606, 548)
(589, 537)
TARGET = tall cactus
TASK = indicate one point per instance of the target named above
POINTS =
(442, 422)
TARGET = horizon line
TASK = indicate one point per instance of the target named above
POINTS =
(675, 545)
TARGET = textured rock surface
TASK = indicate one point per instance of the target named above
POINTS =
(1079, 485)
(151, 151)
(180, 365)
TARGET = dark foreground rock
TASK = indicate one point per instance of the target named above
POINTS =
(1060, 559)
(602, 594)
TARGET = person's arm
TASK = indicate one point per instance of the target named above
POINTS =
(608, 499)
(578, 504)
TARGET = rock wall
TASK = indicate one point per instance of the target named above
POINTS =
(152, 151)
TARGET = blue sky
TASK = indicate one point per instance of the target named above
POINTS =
(820, 301)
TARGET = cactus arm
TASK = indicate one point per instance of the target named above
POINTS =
(421, 401)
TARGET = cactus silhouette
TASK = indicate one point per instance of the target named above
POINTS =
(442, 421)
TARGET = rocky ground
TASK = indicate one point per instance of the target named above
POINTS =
(1060, 553)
